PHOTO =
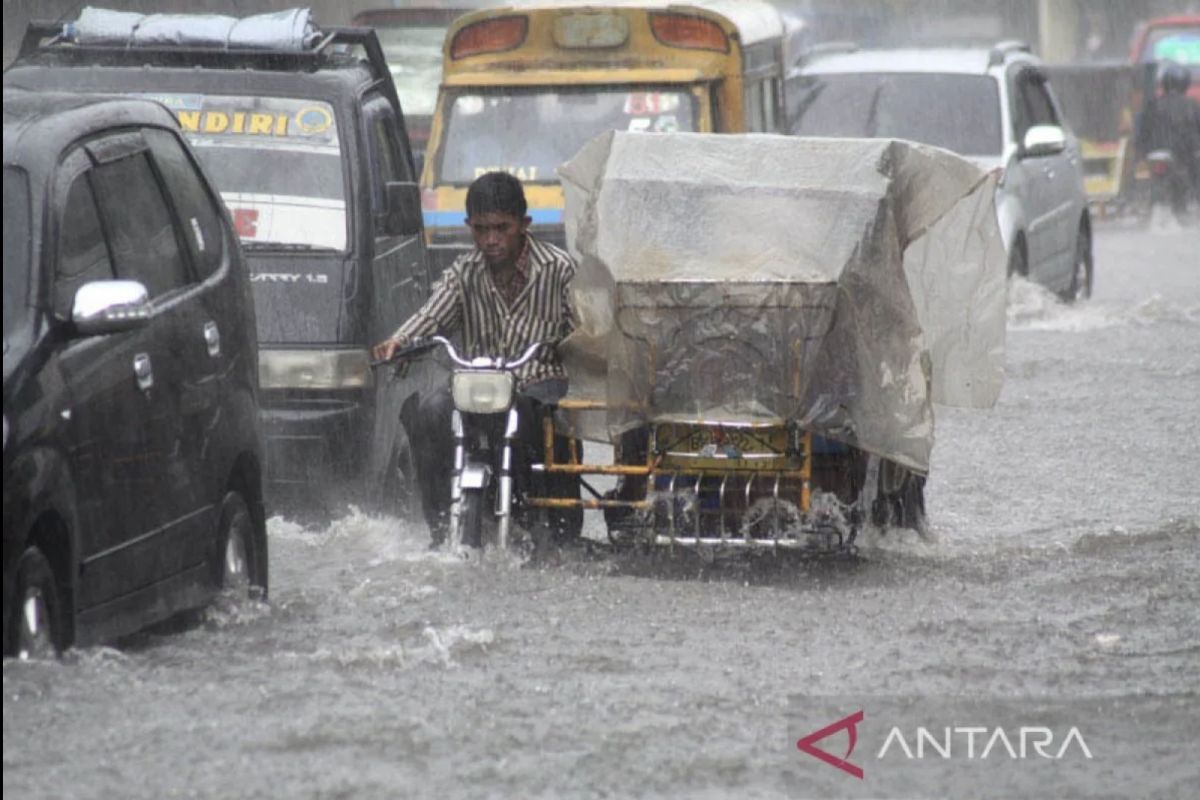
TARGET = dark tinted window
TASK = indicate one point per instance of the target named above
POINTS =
(1038, 109)
(386, 162)
(82, 251)
(142, 236)
(197, 210)
(958, 112)
(17, 239)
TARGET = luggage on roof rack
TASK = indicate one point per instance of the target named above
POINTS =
(292, 30)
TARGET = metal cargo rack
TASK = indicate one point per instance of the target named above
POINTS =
(43, 37)
(658, 465)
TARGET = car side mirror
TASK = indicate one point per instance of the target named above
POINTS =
(1043, 140)
(402, 217)
(110, 307)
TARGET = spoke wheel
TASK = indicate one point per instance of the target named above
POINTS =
(37, 630)
(470, 518)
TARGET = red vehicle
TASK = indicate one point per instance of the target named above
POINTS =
(1174, 38)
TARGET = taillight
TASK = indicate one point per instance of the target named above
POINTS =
(489, 36)
(684, 30)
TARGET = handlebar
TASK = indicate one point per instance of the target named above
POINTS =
(477, 363)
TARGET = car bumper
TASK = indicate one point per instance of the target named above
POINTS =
(313, 438)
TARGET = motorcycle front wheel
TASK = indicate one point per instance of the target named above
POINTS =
(470, 517)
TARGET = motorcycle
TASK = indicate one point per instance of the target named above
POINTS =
(1168, 185)
(485, 489)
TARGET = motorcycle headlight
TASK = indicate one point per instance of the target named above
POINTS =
(314, 369)
(482, 392)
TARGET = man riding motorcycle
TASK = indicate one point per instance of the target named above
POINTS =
(1172, 123)
(511, 291)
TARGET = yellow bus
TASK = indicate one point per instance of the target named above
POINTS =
(525, 86)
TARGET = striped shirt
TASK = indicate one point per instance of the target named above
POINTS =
(466, 298)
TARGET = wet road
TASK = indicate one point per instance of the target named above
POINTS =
(1064, 563)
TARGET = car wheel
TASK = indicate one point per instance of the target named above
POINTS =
(1081, 277)
(239, 569)
(37, 629)
(1018, 261)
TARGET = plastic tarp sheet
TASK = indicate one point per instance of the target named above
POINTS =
(845, 284)
(291, 30)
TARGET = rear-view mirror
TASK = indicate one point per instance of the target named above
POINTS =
(110, 307)
(402, 217)
(1043, 140)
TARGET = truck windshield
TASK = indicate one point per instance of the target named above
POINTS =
(277, 163)
(414, 57)
(17, 239)
(529, 133)
(1178, 43)
(960, 113)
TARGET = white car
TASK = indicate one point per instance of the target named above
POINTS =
(993, 106)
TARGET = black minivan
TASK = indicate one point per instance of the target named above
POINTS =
(302, 132)
(132, 444)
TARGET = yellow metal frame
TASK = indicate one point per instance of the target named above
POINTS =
(653, 467)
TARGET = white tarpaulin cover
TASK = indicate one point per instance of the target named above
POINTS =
(843, 283)
(292, 29)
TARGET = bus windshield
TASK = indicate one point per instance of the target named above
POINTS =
(530, 132)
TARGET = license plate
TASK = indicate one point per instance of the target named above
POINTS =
(718, 441)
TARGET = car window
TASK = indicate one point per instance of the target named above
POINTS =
(1037, 108)
(958, 112)
(17, 241)
(386, 162)
(1178, 43)
(142, 237)
(82, 252)
(196, 208)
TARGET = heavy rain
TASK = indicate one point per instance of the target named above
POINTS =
(1043, 573)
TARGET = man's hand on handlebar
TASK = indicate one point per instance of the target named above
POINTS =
(385, 351)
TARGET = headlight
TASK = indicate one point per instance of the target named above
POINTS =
(482, 392)
(314, 369)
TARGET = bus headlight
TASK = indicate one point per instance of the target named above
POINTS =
(314, 369)
(482, 391)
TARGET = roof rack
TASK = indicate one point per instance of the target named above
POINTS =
(46, 37)
(1002, 49)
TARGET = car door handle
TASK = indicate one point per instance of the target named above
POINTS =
(212, 338)
(1049, 173)
(143, 370)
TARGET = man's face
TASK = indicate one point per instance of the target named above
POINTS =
(498, 236)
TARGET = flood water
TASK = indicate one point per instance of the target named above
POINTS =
(1064, 561)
